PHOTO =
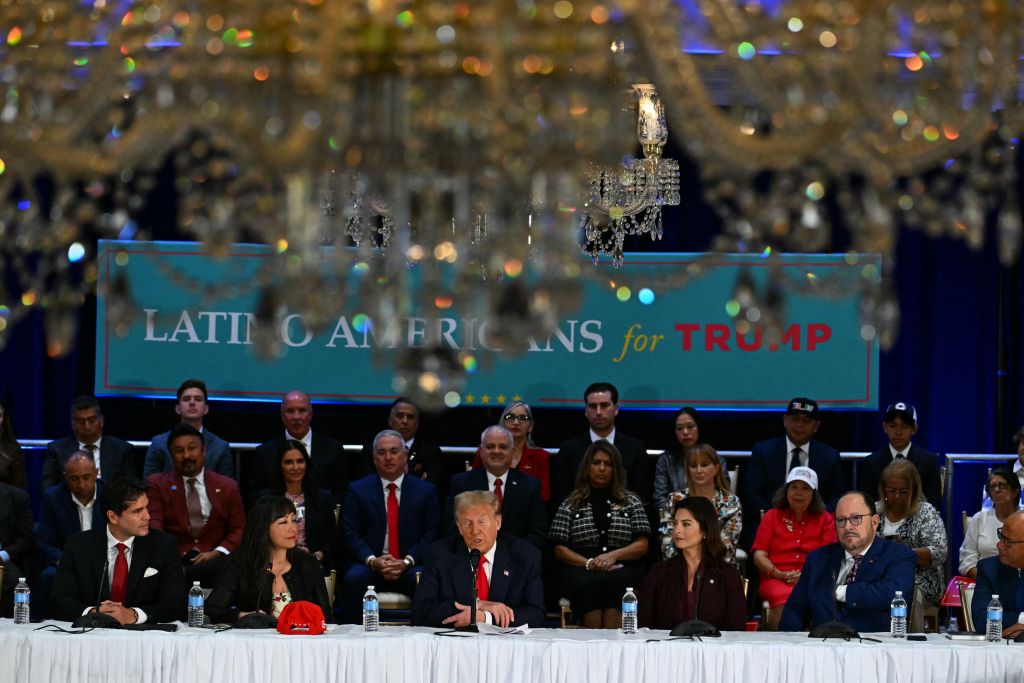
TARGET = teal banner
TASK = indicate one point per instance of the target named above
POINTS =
(665, 341)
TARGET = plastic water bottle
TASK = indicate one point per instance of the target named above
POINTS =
(629, 612)
(196, 602)
(953, 627)
(21, 602)
(371, 610)
(994, 620)
(898, 616)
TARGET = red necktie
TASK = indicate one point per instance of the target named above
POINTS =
(394, 549)
(119, 585)
(483, 586)
(497, 492)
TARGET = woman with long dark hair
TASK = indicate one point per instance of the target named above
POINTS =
(600, 533)
(268, 571)
(314, 508)
(698, 582)
(12, 465)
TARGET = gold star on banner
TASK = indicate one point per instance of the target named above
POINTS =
(517, 397)
(501, 398)
(485, 399)
(470, 398)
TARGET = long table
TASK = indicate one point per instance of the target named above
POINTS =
(411, 655)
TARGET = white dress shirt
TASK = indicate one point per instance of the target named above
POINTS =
(805, 454)
(594, 436)
(84, 511)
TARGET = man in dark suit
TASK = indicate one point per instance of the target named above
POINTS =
(854, 580)
(771, 460)
(602, 405)
(114, 457)
(192, 407)
(67, 508)
(509, 589)
(201, 509)
(389, 518)
(131, 572)
(17, 541)
(900, 425)
(331, 469)
(523, 512)
(425, 459)
(1002, 576)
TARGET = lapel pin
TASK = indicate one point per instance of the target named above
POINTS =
(711, 580)
(173, 487)
(216, 490)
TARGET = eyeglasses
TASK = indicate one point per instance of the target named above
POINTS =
(516, 418)
(1005, 540)
(854, 520)
(998, 486)
(896, 492)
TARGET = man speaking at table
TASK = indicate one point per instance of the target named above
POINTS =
(854, 580)
(121, 568)
(509, 588)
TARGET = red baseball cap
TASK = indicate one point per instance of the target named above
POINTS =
(301, 618)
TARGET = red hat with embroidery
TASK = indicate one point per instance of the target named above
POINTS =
(301, 618)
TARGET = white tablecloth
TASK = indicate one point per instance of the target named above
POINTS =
(412, 655)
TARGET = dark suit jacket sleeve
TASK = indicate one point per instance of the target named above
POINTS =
(459, 484)
(218, 454)
(19, 536)
(117, 458)
(751, 482)
(47, 535)
(154, 494)
(538, 511)
(797, 612)
(431, 511)
(428, 607)
(987, 584)
(353, 523)
(531, 610)
(222, 603)
(832, 481)
(15, 467)
(928, 465)
(172, 593)
(51, 473)
(236, 519)
(157, 457)
(734, 608)
(897, 574)
(321, 531)
(67, 601)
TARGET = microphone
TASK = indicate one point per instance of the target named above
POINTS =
(257, 619)
(97, 619)
(474, 566)
(695, 628)
(834, 628)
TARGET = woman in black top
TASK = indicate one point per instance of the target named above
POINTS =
(268, 571)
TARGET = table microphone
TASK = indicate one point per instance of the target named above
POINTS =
(695, 628)
(258, 619)
(97, 619)
(474, 566)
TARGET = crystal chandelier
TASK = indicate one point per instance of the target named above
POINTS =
(630, 198)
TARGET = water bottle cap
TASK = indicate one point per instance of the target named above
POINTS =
(22, 579)
(629, 589)
(369, 588)
(195, 583)
(899, 594)
(995, 595)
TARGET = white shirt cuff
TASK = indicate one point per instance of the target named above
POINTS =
(841, 593)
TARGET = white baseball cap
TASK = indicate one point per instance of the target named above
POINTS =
(804, 474)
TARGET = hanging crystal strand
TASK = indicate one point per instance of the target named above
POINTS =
(1008, 229)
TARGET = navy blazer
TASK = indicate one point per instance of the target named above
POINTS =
(994, 577)
(17, 535)
(364, 518)
(523, 511)
(926, 462)
(58, 519)
(117, 459)
(218, 455)
(639, 466)
(162, 595)
(447, 578)
(888, 567)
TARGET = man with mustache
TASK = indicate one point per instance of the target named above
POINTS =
(854, 580)
(200, 508)
(1002, 575)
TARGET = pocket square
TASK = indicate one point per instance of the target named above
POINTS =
(150, 571)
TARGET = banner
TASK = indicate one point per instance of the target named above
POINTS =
(662, 346)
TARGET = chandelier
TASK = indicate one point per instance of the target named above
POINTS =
(463, 147)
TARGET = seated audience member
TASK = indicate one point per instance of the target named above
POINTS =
(136, 570)
(314, 508)
(388, 520)
(900, 425)
(1003, 575)
(670, 468)
(982, 535)
(523, 512)
(527, 458)
(600, 533)
(705, 475)
(331, 469)
(114, 458)
(192, 407)
(67, 508)
(508, 579)
(854, 580)
(770, 462)
(12, 465)
(269, 570)
(1017, 464)
(200, 508)
(425, 459)
(698, 582)
(17, 542)
(601, 406)
(797, 524)
(909, 519)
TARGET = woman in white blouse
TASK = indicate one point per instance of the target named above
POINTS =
(1003, 487)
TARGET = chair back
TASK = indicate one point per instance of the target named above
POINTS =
(966, 597)
(734, 476)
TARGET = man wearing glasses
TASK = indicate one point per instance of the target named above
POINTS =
(1001, 575)
(854, 580)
